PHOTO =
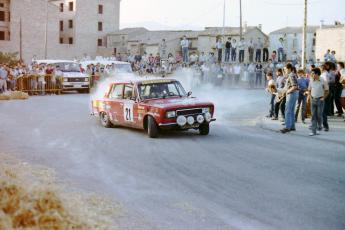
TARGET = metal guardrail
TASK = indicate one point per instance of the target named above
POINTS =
(34, 83)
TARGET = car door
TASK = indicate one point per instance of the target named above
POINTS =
(116, 103)
(130, 106)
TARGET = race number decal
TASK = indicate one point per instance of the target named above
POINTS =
(128, 112)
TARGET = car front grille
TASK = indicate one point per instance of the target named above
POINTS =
(187, 112)
(76, 79)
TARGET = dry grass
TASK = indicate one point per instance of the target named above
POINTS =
(31, 198)
(14, 95)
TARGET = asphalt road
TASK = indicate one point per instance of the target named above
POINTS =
(238, 177)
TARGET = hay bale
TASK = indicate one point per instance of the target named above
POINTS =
(4, 97)
(18, 95)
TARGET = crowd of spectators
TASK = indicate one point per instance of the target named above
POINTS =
(318, 92)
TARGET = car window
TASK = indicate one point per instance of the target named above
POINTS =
(116, 92)
(128, 92)
(161, 90)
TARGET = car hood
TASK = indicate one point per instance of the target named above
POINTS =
(73, 74)
(174, 103)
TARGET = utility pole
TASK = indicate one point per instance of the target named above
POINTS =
(46, 33)
(224, 30)
(224, 20)
(304, 43)
(241, 33)
(20, 40)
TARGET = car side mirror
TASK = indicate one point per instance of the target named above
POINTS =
(189, 93)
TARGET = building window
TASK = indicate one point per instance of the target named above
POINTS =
(70, 6)
(61, 40)
(2, 35)
(70, 40)
(100, 9)
(100, 26)
(2, 15)
(70, 24)
(2, 5)
(314, 41)
(61, 25)
(61, 7)
(100, 42)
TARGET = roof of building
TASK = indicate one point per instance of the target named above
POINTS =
(145, 36)
(299, 29)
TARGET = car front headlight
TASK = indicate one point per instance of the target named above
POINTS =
(171, 114)
(65, 79)
(206, 110)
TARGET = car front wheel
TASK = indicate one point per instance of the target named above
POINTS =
(105, 121)
(204, 129)
(152, 128)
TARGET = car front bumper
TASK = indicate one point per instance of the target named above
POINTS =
(174, 125)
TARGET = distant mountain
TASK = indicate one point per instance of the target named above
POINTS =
(157, 26)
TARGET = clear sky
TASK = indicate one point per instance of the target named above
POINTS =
(197, 14)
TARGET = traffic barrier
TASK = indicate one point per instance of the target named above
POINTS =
(34, 84)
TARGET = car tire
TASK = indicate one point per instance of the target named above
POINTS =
(204, 129)
(105, 121)
(152, 128)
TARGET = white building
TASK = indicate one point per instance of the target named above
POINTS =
(293, 38)
(57, 29)
(332, 39)
(133, 40)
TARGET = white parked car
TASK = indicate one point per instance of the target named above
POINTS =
(73, 78)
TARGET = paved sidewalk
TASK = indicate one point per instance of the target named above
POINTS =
(336, 125)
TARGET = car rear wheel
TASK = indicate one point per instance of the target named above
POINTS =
(204, 129)
(152, 128)
(105, 121)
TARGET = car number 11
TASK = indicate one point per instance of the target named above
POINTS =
(128, 112)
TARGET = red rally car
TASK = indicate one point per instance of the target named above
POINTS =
(153, 105)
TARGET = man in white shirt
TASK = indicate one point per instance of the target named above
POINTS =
(251, 74)
(237, 73)
(163, 50)
(219, 46)
(233, 50)
(185, 51)
(193, 59)
(202, 58)
(251, 47)
(318, 90)
(281, 50)
(241, 48)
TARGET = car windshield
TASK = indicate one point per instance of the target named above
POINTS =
(161, 90)
(68, 67)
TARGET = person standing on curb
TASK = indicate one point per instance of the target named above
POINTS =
(233, 50)
(318, 90)
(258, 49)
(272, 89)
(303, 84)
(265, 51)
(291, 98)
(329, 79)
(228, 50)
(280, 97)
(185, 50)
(219, 47)
(241, 48)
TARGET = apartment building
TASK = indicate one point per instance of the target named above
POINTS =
(57, 29)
